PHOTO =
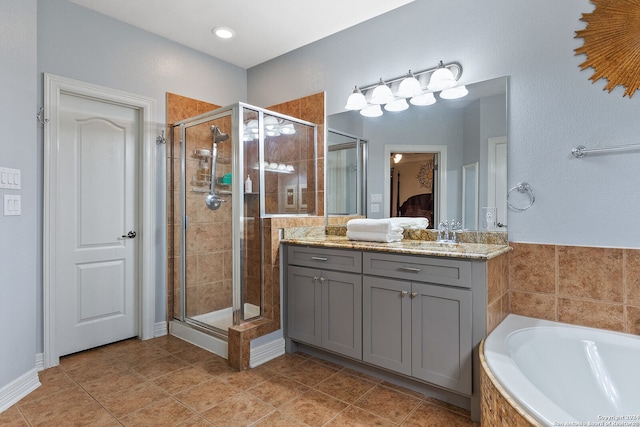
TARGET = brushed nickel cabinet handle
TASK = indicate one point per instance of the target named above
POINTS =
(411, 269)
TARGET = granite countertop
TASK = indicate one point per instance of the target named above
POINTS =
(478, 251)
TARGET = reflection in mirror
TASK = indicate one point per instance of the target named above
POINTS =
(414, 184)
(462, 131)
(345, 173)
(470, 196)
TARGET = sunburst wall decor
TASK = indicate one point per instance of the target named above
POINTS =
(612, 43)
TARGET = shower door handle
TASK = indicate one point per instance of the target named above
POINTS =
(129, 235)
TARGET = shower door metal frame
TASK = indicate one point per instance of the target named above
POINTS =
(236, 111)
(184, 220)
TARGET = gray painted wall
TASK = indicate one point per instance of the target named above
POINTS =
(553, 106)
(78, 43)
(18, 245)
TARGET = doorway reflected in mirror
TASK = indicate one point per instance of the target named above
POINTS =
(412, 184)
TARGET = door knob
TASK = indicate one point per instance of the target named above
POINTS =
(129, 235)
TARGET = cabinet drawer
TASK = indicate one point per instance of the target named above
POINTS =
(418, 268)
(331, 259)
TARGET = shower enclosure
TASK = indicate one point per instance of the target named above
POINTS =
(232, 168)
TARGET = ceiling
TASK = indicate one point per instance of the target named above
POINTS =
(264, 29)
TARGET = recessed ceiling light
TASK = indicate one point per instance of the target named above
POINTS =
(223, 32)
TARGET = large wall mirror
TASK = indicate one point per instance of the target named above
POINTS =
(437, 143)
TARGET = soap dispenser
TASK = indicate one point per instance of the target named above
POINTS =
(248, 185)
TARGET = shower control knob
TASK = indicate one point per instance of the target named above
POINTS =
(129, 235)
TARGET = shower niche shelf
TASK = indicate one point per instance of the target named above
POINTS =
(206, 190)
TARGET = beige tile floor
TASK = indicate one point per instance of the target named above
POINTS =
(169, 382)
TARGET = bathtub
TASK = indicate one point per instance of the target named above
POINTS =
(563, 374)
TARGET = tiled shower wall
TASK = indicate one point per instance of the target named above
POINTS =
(589, 286)
(207, 255)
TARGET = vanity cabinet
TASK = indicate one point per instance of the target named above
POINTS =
(418, 318)
(324, 306)
(419, 329)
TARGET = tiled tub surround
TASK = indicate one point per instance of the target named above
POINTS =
(498, 408)
(588, 286)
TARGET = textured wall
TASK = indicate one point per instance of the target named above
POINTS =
(552, 104)
(78, 43)
(18, 146)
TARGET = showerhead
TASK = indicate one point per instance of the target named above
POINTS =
(218, 135)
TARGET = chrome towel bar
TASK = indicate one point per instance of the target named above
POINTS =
(581, 151)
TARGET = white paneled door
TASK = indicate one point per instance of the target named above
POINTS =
(96, 235)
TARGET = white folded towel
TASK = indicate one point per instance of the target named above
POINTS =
(373, 225)
(369, 236)
(415, 223)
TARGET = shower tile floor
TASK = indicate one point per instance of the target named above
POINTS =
(169, 382)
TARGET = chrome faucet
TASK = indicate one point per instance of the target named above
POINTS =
(455, 227)
(448, 231)
(443, 231)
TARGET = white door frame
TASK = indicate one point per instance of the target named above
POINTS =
(54, 86)
(492, 144)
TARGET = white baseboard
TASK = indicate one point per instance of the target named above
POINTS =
(266, 352)
(40, 362)
(160, 329)
(208, 342)
(17, 389)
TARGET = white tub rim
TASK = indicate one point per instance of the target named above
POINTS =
(512, 381)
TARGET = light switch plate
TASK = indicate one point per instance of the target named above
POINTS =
(12, 205)
(375, 207)
(376, 198)
(10, 178)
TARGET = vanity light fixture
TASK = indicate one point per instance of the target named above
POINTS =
(381, 94)
(423, 100)
(356, 100)
(397, 157)
(272, 127)
(442, 78)
(399, 104)
(409, 86)
(371, 111)
(454, 92)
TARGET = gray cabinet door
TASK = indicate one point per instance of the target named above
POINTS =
(441, 336)
(386, 326)
(304, 304)
(342, 313)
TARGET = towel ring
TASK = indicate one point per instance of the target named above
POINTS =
(522, 187)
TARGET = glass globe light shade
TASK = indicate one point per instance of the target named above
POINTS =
(287, 129)
(270, 123)
(454, 92)
(371, 111)
(423, 100)
(252, 126)
(409, 86)
(381, 94)
(399, 104)
(442, 78)
(356, 100)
